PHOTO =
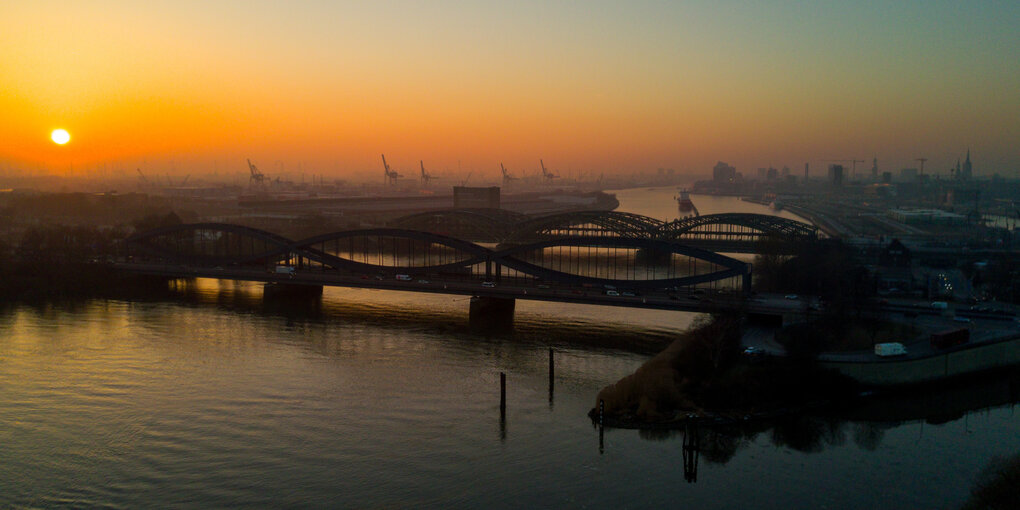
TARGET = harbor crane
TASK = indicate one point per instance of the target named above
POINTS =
(549, 176)
(426, 177)
(257, 177)
(144, 178)
(389, 175)
(506, 175)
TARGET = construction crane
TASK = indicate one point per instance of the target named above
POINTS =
(466, 179)
(922, 160)
(506, 175)
(257, 177)
(549, 176)
(426, 177)
(853, 164)
(389, 175)
(144, 178)
(185, 181)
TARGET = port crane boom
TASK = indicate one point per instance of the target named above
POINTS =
(257, 177)
(426, 177)
(390, 176)
(549, 176)
(506, 174)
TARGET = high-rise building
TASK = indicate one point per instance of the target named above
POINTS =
(722, 172)
(874, 169)
(836, 174)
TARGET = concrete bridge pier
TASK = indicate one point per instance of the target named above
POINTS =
(271, 291)
(491, 314)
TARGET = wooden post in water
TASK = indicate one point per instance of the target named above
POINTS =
(602, 413)
(552, 376)
(502, 395)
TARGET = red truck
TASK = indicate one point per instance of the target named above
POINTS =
(950, 337)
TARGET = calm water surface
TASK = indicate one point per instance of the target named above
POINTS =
(209, 397)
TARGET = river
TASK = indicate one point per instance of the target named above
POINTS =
(206, 396)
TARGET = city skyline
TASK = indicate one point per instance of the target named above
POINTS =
(191, 88)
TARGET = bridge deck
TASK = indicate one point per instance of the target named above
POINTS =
(659, 299)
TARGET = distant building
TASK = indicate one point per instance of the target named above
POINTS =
(762, 173)
(722, 172)
(967, 171)
(836, 174)
(771, 174)
(908, 175)
(465, 197)
(874, 169)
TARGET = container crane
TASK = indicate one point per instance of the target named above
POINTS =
(390, 176)
(144, 178)
(506, 175)
(426, 177)
(549, 176)
(257, 177)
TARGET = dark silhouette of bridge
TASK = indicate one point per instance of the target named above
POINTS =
(639, 272)
(726, 233)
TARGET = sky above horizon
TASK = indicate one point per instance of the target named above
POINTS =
(326, 87)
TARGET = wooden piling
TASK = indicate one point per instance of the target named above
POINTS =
(552, 376)
(502, 394)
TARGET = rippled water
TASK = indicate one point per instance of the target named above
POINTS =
(209, 397)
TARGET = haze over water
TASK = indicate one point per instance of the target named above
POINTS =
(208, 397)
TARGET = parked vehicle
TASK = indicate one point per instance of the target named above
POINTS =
(404, 277)
(890, 349)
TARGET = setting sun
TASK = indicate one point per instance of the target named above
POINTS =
(60, 136)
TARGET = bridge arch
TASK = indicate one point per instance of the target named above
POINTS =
(363, 253)
(585, 224)
(736, 225)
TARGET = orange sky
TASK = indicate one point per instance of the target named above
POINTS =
(184, 87)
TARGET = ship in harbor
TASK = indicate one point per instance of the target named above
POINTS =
(685, 205)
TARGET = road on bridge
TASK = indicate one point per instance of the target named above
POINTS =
(689, 300)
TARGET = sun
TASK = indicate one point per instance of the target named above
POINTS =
(60, 136)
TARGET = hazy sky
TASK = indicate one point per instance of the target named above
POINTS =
(601, 86)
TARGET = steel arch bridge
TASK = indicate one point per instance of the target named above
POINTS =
(753, 224)
(735, 231)
(580, 260)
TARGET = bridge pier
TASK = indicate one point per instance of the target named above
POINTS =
(491, 314)
(289, 291)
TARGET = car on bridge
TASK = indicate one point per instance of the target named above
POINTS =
(489, 284)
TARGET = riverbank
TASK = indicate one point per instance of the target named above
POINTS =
(705, 375)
